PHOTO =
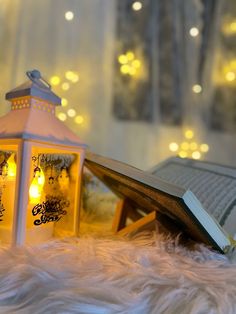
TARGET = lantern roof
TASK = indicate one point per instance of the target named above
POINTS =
(32, 115)
(37, 87)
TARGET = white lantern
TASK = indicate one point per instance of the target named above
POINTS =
(40, 167)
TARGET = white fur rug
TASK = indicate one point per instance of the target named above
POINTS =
(147, 274)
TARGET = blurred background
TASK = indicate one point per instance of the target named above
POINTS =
(139, 80)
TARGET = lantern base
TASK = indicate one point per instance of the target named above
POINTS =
(39, 234)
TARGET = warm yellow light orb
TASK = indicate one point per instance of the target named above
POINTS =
(130, 55)
(124, 69)
(188, 134)
(11, 166)
(65, 86)
(69, 75)
(173, 147)
(136, 63)
(64, 102)
(230, 76)
(185, 146)
(75, 78)
(79, 119)
(69, 15)
(137, 5)
(122, 59)
(197, 88)
(62, 116)
(71, 113)
(132, 71)
(35, 191)
(183, 154)
(196, 155)
(194, 31)
(193, 146)
(55, 80)
(204, 148)
(233, 26)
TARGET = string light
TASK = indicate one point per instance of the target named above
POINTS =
(79, 119)
(194, 31)
(197, 88)
(188, 134)
(183, 154)
(230, 76)
(71, 113)
(122, 59)
(55, 80)
(189, 148)
(173, 147)
(185, 146)
(64, 102)
(69, 15)
(62, 116)
(69, 75)
(129, 64)
(72, 76)
(233, 26)
(196, 155)
(124, 69)
(137, 5)
(193, 145)
(204, 148)
(65, 86)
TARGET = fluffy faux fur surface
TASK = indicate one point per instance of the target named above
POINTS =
(147, 274)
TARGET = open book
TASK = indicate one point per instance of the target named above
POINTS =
(199, 197)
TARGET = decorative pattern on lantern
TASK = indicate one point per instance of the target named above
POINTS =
(40, 167)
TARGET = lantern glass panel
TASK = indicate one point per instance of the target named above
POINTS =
(8, 159)
(53, 195)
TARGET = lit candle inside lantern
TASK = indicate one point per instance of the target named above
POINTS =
(11, 167)
(36, 187)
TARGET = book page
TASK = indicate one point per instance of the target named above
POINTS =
(213, 185)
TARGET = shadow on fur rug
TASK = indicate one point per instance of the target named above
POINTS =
(147, 274)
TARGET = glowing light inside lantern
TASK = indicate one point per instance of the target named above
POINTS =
(137, 5)
(194, 31)
(11, 166)
(36, 187)
(69, 15)
(197, 88)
